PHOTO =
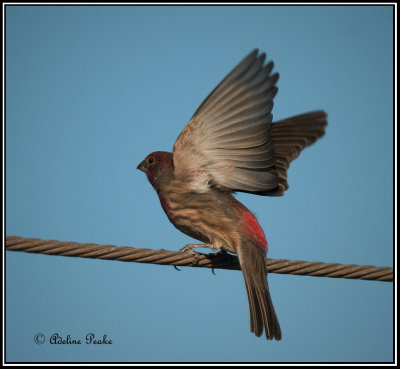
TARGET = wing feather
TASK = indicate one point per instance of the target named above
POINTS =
(231, 139)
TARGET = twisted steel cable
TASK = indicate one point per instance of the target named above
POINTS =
(178, 258)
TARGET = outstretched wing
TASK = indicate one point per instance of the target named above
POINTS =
(227, 143)
(231, 143)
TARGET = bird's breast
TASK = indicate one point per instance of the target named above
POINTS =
(203, 216)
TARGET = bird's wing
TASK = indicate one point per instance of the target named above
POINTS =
(289, 137)
(227, 143)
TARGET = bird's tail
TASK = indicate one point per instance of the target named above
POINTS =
(262, 312)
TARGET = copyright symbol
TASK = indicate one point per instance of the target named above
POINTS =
(39, 338)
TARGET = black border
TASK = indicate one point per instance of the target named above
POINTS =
(11, 4)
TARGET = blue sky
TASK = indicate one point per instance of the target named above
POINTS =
(92, 90)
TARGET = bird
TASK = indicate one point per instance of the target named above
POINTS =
(230, 145)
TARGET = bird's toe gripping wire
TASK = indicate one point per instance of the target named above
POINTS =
(189, 249)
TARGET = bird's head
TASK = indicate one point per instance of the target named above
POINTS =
(159, 169)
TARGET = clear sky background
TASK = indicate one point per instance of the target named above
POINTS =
(92, 90)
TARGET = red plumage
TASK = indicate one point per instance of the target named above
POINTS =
(253, 228)
(229, 145)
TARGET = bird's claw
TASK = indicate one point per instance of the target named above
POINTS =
(189, 249)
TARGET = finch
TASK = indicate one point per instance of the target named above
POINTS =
(231, 144)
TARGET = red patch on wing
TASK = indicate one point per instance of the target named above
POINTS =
(255, 231)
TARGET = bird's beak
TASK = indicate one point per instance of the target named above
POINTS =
(142, 166)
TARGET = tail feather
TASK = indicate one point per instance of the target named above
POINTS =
(262, 312)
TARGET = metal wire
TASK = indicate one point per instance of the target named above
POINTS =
(178, 258)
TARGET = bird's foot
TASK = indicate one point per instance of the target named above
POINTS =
(189, 248)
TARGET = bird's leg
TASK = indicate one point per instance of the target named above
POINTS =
(189, 248)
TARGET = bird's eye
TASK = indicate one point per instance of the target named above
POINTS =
(150, 160)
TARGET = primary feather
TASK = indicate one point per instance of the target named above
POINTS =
(232, 141)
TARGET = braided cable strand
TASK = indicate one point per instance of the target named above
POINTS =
(178, 258)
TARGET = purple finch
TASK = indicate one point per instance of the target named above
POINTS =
(231, 144)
